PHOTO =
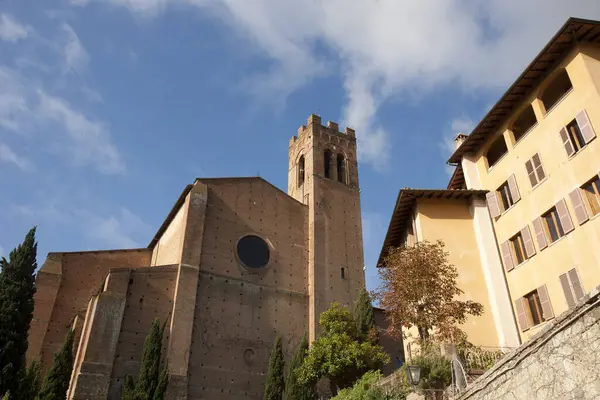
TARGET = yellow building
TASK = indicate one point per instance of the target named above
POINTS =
(536, 156)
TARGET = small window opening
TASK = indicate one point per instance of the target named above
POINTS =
(343, 274)
(552, 225)
(505, 196)
(496, 151)
(301, 171)
(591, 191)
(575, 136)
(524, 122)
(518, 248)
(534, 308)
(559, 86)
(341, 168)
(328, 164)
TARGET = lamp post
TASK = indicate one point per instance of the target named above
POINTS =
(413, 373)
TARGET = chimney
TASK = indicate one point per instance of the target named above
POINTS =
(459, 139)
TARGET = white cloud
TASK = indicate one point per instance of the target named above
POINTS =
(11, 30)
(120, 230)
(9, 156)
(384, 47)
(90, 140)
(76, 57)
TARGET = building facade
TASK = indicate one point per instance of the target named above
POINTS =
(536, 157)
(236, 263)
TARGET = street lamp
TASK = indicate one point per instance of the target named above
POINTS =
(413, 373)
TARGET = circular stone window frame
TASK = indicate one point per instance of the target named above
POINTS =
(256, 271)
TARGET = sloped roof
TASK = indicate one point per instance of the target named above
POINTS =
(575, 30)
(405, 204)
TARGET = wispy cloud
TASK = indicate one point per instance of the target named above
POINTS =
(11, 30)
(121, 230)
(9, 156)
(76, 57)
(382, 48)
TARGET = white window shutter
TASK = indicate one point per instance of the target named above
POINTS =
(520, 305)
(507, 259)
(545, 302)
(578, 206)
(576, 284)
(566, 141)
(531, 173)
(566, 287)
(585, 126)
(528, 242)
(540, 236)
(492, 203)
(514, 189)
(539, 169)
(564, 216)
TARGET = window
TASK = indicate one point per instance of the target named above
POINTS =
(591, 191)
(571, 286)
(504, 197)
(552, 225)
(524, 122)
(517, 247)
(535, 171)
(496, 151)
(328, 164)
(577, 133)
(560, 85)
(341, 168)
(534, 308)
(343, 273)
(253, 251)
(301, 171)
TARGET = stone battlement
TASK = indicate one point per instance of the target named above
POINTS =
(331, 128)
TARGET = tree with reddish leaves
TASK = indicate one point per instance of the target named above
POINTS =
(418, 289)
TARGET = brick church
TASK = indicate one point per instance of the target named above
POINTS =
(235, 263)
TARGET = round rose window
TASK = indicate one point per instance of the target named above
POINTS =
(253, 251)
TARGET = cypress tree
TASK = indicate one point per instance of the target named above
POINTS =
(17, 286)
(128, 389)
(274, 386)
(150, 364)
(294, 390)
(364, 316)
(30, 383)
(161, 387)
(57, 380)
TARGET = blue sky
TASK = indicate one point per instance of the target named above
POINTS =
(108, 108)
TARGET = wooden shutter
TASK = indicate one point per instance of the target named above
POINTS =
(564, 216)
(492, 203)
(531, 173)
(514, 190)
(539, 169)
(545, 302)
(585, 126)
(564, 136)
(507, 259)
(540, 236)
(578, 206)
(564, 282)
(520, 305)
(528, 242)
(576, 284)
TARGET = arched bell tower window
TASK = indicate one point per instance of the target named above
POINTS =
(328, 164)
(301, 171)
(341, 168)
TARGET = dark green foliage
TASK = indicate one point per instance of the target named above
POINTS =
(366, 389)
(17, 286)
(30, 382)
(339, 354)
(56, 383)
(152, 383)
(294, 390)
(274, 386)
(364, 316)
(6, 396)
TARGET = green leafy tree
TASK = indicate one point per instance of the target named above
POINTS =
(57, 380)
(364, 315)
(274, 387)
(6, 396)
(30, 382)
(17, 287)
(366, 388)
(294, 390)
(339, 354)
(152, 383)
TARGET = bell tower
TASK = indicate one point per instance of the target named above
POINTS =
(323, 174)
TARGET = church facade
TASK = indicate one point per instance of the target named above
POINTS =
(236, 263)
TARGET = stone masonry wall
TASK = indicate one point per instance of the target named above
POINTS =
(560, 362)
